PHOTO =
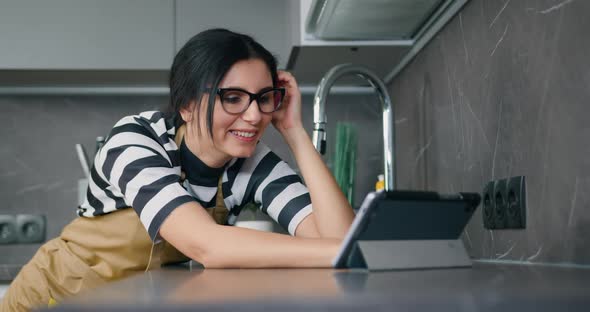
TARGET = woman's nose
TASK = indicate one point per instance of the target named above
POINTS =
(252, 114)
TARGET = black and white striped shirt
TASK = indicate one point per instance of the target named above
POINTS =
(140, 166)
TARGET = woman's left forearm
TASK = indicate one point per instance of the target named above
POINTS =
(333, 214)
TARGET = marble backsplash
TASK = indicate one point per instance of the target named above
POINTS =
(503, 91)
(39, 168)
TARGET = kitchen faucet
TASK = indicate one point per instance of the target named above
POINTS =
(320, 118)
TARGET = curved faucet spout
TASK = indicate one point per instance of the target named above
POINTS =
(320, 118)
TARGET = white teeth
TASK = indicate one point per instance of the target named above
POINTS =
(244, 134)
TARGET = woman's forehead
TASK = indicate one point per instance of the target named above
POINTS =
(251, 75)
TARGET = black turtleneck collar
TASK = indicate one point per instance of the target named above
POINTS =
(197, 172)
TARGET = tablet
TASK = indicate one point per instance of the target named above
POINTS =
(405, 216)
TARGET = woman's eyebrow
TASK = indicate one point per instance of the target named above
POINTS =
(243, 89)
(265, 89)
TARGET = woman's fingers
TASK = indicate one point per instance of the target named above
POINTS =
(287, 79)
(290, 115)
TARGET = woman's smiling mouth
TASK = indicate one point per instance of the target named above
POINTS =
(246, 136)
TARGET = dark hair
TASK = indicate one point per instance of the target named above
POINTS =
(203, 61)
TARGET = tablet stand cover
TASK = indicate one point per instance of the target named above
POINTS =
(409, 230)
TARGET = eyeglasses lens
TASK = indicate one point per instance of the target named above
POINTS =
(236, 101)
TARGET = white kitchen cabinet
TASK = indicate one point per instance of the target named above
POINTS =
(86, 34)
(265, 20)
(60, 45)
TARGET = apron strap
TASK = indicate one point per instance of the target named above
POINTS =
(219, 212)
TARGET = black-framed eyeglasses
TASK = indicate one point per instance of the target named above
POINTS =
(237, 101)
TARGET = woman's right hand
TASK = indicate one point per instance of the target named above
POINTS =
(288, 117)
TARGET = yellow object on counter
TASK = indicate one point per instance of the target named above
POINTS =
(51, 303)
(380, 185)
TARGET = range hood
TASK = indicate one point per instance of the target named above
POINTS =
(382, 35)
(369, 19)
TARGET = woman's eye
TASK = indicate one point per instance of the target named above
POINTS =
(232, 99)
(265, 99)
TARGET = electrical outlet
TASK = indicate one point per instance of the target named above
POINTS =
(7, 229)
(30, 228)
(488, 206)
(504, 204)
(500, 206)
(516, 202)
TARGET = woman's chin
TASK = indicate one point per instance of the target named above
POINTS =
(242, 152)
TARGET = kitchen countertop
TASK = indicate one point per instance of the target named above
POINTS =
(485, 287)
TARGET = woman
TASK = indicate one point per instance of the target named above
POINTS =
(188, 173)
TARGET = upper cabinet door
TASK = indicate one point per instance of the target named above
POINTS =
(86, 34)
(265, 20)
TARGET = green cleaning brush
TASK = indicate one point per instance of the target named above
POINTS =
(345, 159)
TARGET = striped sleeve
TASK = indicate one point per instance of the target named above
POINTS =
(138, 167)
(279, 190)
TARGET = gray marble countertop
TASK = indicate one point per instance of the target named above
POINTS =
(485, 287)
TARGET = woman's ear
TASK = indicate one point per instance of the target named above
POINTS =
(187, 112)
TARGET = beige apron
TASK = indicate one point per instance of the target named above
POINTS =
(91, 252)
